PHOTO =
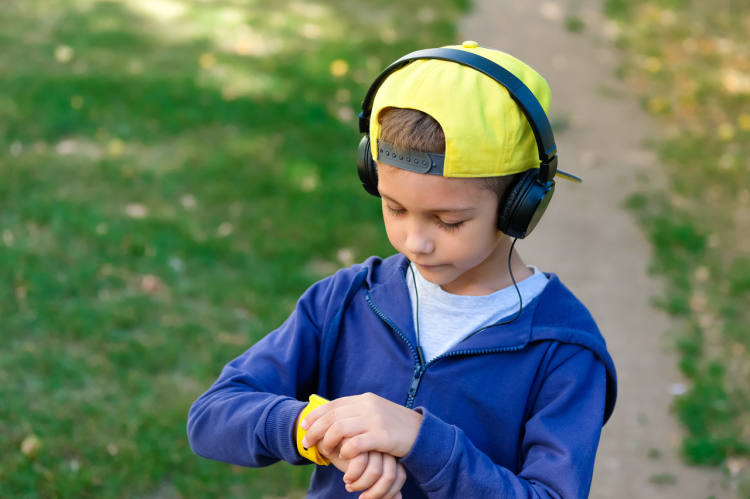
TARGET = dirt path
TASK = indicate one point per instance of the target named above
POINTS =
(594, 245)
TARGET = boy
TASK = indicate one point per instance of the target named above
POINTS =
(453, 369)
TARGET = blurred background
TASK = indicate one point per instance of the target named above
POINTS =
(174, 173)
(689, 64)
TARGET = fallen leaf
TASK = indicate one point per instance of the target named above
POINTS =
(135, 210)
(207, 60)
(151, 284)
(63, 53)
(31, 446)
(339, 67)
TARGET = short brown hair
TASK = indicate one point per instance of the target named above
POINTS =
(418, 131)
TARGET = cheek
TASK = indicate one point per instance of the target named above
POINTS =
(485, 241)
(392, 230)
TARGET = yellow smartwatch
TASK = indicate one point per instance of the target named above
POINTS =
(310, 453)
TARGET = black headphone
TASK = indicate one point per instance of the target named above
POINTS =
(528, 197)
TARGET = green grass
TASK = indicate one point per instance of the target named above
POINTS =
(574, 24)
(664, 479)
(689, 61)
(174, 174)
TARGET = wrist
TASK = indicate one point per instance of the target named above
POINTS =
(414, 426)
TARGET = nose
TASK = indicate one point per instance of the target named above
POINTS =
(418, 240)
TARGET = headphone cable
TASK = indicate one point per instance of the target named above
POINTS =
(420, 352)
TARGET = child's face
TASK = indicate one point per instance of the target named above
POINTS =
(445, 226)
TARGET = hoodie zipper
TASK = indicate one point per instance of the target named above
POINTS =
(420, 365)
(418, 372)
(394, 328)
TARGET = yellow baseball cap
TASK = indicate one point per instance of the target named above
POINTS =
(486, 133)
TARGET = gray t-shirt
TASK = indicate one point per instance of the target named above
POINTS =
(445, 319)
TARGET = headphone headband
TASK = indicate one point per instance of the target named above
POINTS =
(519, 92)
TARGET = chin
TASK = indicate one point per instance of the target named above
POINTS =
(437, 274)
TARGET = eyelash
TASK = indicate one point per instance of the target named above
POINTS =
(443, 225)
(449, 227)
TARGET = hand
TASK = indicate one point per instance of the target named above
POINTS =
(380, 475)
(367, 422)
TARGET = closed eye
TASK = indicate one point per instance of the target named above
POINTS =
(449, 226)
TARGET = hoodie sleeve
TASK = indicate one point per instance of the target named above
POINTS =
(247, 417)
(558, 446)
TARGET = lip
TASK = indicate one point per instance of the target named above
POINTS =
(428, 267)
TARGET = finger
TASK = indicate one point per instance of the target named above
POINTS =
(363, 442)
(398, 480)
(395, 491)
(317, 426)
(382, 487)
(338, 431)
(320, 427)
(371, 474)
(318, 412)
(356, 467)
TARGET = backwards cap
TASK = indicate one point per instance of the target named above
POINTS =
(486, 134)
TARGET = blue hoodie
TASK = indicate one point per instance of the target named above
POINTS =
(514, 411)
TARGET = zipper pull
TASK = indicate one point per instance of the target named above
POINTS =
(415, 380)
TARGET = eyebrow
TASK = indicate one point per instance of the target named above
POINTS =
(439, 210)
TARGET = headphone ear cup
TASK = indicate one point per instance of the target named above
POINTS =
(524, 204)
(366, 167)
